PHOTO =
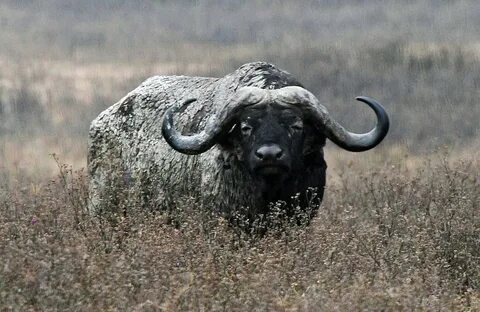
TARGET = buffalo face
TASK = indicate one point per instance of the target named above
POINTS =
(270, 142)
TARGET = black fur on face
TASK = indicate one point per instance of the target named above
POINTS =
(276, 145)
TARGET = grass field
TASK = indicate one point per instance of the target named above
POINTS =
(389, 238)
(398, 229)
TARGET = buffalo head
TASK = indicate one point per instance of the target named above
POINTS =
(274, 133)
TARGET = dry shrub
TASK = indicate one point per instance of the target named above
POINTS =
(384, 239)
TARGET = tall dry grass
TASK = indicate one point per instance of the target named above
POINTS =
(390, 238)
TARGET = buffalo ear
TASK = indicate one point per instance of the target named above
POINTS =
(230, 139)
(315, 159)
(313, 139)
(313, 147)
(231, 142)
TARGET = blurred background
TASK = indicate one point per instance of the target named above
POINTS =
(64, 61)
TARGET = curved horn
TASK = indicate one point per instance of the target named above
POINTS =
(349, 141)
(216, 124)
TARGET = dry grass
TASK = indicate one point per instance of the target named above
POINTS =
(390, 239)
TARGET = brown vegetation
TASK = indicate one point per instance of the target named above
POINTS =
(385, 239)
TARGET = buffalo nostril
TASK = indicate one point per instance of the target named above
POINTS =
(259, 154)
(269, 152)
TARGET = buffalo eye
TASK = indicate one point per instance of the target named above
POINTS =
(245, 128)
(297, 125)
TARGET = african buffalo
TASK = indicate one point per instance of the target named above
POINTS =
(253, 137)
